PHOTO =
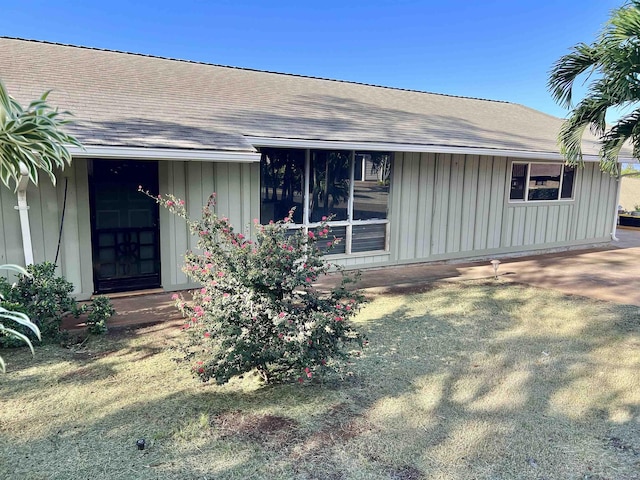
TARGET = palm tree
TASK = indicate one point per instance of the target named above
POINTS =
(32, 137)
(613, 63)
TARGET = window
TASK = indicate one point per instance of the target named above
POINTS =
(541, 182)
(351, 187)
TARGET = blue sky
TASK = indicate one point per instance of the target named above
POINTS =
(497, 49)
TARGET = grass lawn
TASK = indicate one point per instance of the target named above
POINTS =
(462, 381)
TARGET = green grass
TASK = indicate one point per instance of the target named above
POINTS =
(463, 381)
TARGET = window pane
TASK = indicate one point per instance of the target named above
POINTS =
(544, 181)
(366, 238)
(329, 184)
(371, 185)
(518, 180)
(281, 184)
(338, 234)
(567, 182)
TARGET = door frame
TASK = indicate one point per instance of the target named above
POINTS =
(134, 282)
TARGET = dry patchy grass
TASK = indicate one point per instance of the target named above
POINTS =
(463, 381)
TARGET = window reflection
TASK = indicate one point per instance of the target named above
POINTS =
(371, 185)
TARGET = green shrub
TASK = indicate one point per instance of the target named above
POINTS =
(46, 299)
(100, 309)
(257, 307)
(41, 295)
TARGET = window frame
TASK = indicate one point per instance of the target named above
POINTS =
(349, 223)
(528, 179)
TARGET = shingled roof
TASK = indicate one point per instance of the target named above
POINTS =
(132, 100)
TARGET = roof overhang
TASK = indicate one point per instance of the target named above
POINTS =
(408, 147)
(143, 153)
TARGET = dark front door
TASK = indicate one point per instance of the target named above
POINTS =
(124, 225)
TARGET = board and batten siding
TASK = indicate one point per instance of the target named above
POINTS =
(46, 203)
(447, 206)
(237, 188)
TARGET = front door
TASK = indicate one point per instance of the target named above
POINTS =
(124, 225)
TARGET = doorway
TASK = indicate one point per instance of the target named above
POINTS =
(125, 233)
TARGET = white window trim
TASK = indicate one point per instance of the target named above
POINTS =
(349, 223)
(528, 179)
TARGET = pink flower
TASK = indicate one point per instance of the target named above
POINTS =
(307, 370)
(201, 370)
(256, 221)
(280, 335)
(329, 244)
(170, 203)
(287, 219)
(174, 296)
(281, 314)
(309, 374)
(181, 202)
(203, 290)
(338, 319)
(207, 298)
(240, 236)
(324, 218)
(308, 280)
(207, 334)
(221, 274)
(348, 307)
(300, 379)
(225, 295)
(311, 234)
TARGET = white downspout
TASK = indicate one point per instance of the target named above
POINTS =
(23, 210)
(615, 213)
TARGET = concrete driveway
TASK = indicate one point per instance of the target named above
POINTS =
(608, 273)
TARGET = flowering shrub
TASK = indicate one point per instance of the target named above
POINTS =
(257, 307)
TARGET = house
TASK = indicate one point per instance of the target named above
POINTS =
(409, 176)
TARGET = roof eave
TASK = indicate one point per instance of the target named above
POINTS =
(146, 153)
(405, 147)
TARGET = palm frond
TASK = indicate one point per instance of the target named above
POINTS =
(565, 71)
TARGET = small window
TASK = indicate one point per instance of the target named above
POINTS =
(535, 182)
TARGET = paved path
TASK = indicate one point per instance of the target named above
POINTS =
(609, 273)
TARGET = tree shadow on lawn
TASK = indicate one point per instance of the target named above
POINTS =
(486, 381)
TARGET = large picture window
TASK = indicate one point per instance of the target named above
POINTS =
(541, 182)
(350, 187)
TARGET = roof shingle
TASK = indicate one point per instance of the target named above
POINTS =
(123, 99)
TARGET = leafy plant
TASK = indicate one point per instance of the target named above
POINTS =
(257, 307)
(100, 310)
(32, 137)
(15, 317)
(46, 299)
(612, 63)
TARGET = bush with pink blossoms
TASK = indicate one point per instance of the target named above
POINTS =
(257, 307)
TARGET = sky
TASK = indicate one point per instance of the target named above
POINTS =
(493, 49)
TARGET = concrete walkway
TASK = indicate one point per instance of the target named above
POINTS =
(609, 273)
